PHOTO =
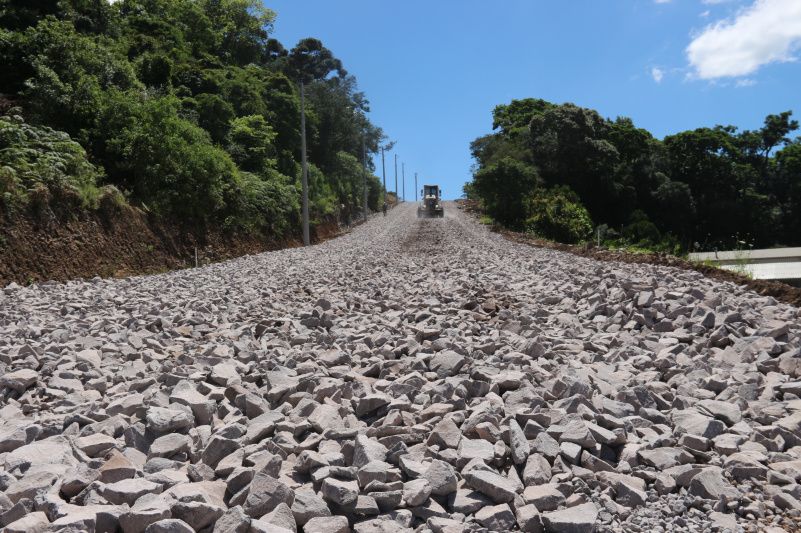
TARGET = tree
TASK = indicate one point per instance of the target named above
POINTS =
(570, 147)
(250, 143)
(504, 188)
(170, 164)
(309, 61)
(518, 114)
(189, 106)
(775, 131)
(242, 28)
(712, 185)
(788, 191)
(67, 74)
(676, 208)
(214, 114)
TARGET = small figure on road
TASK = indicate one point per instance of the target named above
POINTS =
(384, 208)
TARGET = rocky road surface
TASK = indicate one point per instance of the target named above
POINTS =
(413, 375)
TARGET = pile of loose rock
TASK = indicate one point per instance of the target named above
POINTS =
(413, 375)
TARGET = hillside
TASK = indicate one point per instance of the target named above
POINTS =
(187, 111)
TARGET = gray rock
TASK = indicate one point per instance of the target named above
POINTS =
(264, 495)
(651, 398)
(366, 450)
(579, 519)
(30, 485)
(333, 524)
(19, 380)
(128, 491)
(308, 505)
(340, 492)
(170, 445)
(233, 521)
(498, 488)
(518, 443)
(545, 497)
(447, 363)
(170, 525)
(711, 485)
(163, 420)
(496, 518)
(147, 510)
(96, 445)
(441, 478)
(537, 470)
(281, 517)
(446, 434)
(528, 518)
(36, 522)
(52, 451)
(198, 515)
(470, 449)
(416, 491)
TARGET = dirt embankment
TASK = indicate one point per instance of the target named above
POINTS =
(781, 291)
(119, 242)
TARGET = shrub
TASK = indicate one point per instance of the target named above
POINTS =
(557, 214)
(36, 157)
(271, 204)
(170, 163)
(641, 231)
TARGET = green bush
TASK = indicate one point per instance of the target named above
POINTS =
(322, 200)
(557, 214)
(170, 163)
(250, 143)
(36, 157)
(641, 231)
(271, 204)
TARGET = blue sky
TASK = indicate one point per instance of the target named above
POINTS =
(434, 69)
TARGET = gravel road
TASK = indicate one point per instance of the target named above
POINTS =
(419, 375)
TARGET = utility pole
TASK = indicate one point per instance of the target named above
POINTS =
(364, 175)
(305, 168)
(384, 174)
(403, 170)
(415, 187)
(396, 178)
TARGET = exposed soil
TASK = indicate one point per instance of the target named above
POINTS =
(781, 291)
(121, 243)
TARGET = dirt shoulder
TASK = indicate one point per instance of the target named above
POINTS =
(124, 243)
(778, 290)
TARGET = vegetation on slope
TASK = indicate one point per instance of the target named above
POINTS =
(565, 173)
(187, 107)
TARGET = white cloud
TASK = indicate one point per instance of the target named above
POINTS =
(769, 31)
(662, 1)
(745, 82)
(657, 74)
(704, 14)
